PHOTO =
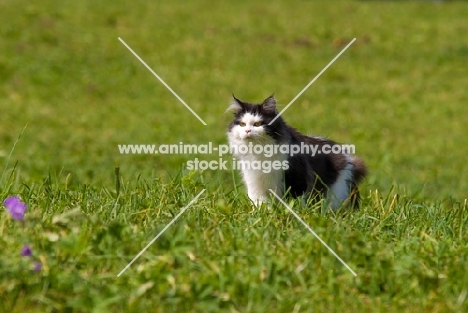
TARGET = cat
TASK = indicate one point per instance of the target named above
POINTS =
(334, 176)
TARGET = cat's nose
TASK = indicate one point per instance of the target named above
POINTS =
(247, 131)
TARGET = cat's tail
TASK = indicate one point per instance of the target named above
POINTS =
(359, 172)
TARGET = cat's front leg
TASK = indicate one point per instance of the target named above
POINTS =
(263, 198)
(257, 199)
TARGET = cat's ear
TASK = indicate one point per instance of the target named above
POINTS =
(269, 104)
(235, 106)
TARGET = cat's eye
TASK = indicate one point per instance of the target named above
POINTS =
(257, 124)
(242, 124)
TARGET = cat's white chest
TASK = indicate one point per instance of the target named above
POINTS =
(260, 171)
(259, 183)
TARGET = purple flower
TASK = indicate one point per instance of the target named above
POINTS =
(15, 207)
(26, 250)
(37, 266)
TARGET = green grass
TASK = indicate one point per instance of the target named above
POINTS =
(398, 94)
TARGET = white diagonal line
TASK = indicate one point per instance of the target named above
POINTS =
(160, 233)
(313, 233)
(162, 81)
(312, 81)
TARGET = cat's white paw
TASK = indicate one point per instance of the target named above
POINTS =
(257, 201)
(261, 202)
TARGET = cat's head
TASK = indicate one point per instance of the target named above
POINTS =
(251, 121)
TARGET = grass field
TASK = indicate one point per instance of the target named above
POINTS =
(72, 92)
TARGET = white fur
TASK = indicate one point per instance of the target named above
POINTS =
(258, 182)
(340, 190)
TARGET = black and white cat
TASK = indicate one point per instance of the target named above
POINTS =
(332, 175)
